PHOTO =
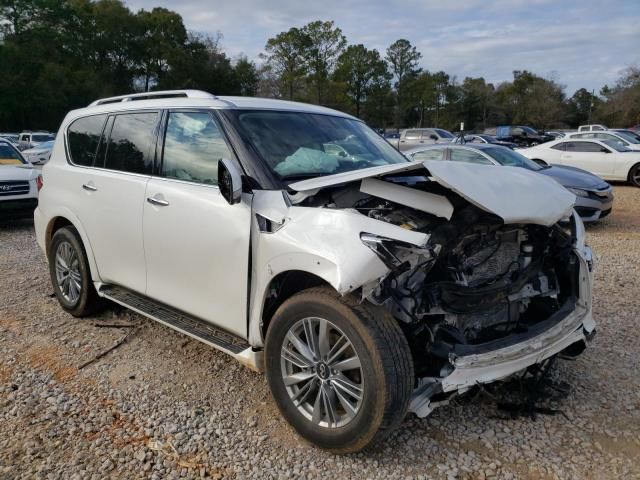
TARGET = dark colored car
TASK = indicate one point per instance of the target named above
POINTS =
(521, 135)
(483, 139)
(594, 196)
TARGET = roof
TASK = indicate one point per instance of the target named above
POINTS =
(196, 99)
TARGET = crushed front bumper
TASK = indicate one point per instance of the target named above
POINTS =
(466, 371)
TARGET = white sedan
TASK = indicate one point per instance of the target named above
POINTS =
(40, 154)
(623, 139)
(604, 158)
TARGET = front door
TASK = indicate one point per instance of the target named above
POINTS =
(196, 244)
(590, 156)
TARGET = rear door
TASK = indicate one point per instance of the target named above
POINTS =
(590, 156)
(196, 244)
(112, 196)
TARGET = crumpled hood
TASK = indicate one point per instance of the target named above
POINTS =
(9, 172)
(514, 194)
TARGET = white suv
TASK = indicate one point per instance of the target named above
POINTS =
(297, 240)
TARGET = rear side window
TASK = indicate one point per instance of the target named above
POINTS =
(192, 148)
(431, 154)
(468, 156)
(129, 148)
(83, 136)
(584, 147)
(412, 134)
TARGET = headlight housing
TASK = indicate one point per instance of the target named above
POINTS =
(578, 192)
(396, 254)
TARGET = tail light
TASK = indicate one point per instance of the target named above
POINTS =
(39, 182)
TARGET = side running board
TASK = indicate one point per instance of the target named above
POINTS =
(182, 322)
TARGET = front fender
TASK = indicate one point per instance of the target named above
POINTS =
(323, 242)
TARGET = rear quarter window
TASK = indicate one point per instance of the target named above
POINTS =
(83, 136)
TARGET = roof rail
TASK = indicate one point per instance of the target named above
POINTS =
(154, 95)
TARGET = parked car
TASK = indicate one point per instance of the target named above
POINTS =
(604, 158)
(296, 239)
(556, 135)
(521, 135)
(10, 137)
(39, 155)
(591, 128)
(594, 196)
(18, 184)
(32, 139)
(483, 139)
(610, 135)
(630, 134)
(414, 137)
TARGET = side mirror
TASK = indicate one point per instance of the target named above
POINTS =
(229, 181)
(605, 150)
(433, 137)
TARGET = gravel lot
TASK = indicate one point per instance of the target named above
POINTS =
(164, 406)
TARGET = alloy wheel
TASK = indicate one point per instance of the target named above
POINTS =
(322, 373)
(68, 275)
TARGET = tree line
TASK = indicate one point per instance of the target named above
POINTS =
(62, 54)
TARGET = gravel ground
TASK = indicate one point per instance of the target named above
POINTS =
(164, 406)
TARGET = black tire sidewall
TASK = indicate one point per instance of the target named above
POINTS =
(80, 307)
(635, 169)
(369, 418)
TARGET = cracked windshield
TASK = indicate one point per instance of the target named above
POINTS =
(298, 146)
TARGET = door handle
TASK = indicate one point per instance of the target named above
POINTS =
(89, 187)
(158, 202)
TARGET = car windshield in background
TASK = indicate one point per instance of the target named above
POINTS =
(509, 158)
(41, 138)
(9, 156)
(443, 133)
(304, 145)
(616, 145)
(629, 137)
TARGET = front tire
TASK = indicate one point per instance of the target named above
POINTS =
(70, 274)
(634, 175)
(340, 372)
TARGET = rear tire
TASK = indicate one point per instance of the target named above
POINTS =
(634, 175)
(70, 274)
(348, 403)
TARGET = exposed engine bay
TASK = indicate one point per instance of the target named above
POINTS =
(477, 280)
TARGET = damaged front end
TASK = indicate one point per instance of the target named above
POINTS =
(488, 295)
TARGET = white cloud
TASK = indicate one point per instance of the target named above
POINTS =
(583, 43)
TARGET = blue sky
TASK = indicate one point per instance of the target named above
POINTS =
(584, 43)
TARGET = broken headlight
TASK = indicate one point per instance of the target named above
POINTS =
(395, 254)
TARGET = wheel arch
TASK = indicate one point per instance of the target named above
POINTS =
(64, 219)
(284, 285)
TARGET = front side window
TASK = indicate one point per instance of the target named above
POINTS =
(129, 148)
(42, 138)
(297, 145)
(9, 155)
(430, 154)
(83, 137)
(468, 156)
(444, 133)
(193, 146)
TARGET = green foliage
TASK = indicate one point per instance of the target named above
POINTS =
(57, 55)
